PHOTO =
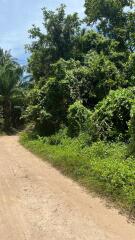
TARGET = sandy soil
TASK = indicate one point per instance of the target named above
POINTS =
(38, 203)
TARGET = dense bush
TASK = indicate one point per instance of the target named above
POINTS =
(48, 106)
(92, 80)
(132, 130)
(111, 116)
(130, 69)
(78, 118)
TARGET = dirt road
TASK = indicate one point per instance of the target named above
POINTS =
(38, 203)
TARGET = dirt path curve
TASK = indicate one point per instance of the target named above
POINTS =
(38, 203)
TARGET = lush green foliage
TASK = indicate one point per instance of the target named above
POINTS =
(10, 93)
(47, 105)
(113, 21)
(111, 116)
(132, 130)
(70, 63)
(130, 69)
(101, 167)
(58, 42)
(78, 119)
(93, 80)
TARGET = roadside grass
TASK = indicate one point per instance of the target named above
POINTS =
(2, 133)
(104, 168)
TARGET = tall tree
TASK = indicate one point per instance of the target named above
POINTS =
(10, 72)
(58, 41)
(114, 19)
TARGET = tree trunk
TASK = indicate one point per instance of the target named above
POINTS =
(7, 114)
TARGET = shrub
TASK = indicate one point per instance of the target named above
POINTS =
(132, 130)
(111, 116)
(78, 118)
(47, 106)
(56, 139)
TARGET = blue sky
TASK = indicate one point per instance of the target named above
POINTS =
(17, 16)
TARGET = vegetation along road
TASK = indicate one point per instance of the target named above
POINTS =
(37, 202)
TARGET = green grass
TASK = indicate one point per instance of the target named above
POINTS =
(102, 167)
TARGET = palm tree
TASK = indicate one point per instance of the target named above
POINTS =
(10, 73)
